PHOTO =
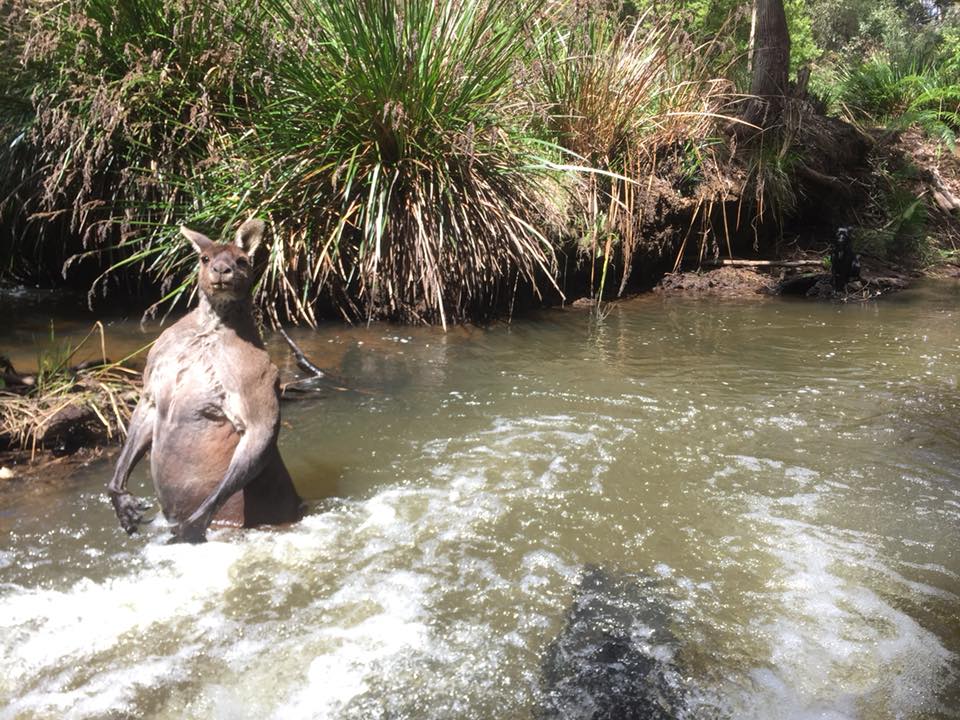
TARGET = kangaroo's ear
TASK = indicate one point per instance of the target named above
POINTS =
(199, 241)
(249, 236)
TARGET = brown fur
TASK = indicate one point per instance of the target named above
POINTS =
(210, 408)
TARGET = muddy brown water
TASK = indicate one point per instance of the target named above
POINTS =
(781, 480)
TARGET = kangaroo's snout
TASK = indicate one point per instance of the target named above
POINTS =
(222, 269)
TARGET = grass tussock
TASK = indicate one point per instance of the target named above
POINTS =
(635, 102)
(61, 405)
(401, 173)
(410, 155)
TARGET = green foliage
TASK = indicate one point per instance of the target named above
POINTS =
(770, 172)
(405, 152)
(888, 62)
(408, 153)
(395, 142)
(729, 20)
(804, 49)
(52, 363)
(899, 218)
(387, 141)
(896, 95)
(948, 51)
(880, 88)
(855, 29)
(124, 97)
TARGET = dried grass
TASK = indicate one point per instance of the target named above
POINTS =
(62, 399)
(634, 102)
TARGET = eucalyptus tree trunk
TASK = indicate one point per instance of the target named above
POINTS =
(769, 62)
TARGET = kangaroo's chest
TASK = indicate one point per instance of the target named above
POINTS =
(199, 378)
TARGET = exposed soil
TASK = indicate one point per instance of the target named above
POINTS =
(844, 176)
(721, 282)
(875, 279)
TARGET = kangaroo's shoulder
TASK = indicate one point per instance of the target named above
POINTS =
(171, 347)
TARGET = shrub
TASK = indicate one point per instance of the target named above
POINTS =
(396, 160)
(386, 141)
(124, 97)
(900, 95)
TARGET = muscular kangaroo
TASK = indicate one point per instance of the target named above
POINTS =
(210, 409)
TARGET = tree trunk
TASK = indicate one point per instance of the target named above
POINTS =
(771, 55)
(770, 63)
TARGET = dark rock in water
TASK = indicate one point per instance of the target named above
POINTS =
(614, 658)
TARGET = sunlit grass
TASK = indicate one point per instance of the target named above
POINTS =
(410, 156)
(622, 97)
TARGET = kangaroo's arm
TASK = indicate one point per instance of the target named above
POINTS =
(130, 509)
(260, 418)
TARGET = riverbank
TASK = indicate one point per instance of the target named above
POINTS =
(63, 404)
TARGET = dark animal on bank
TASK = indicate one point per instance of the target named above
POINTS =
(844, 263)
(210, 409)
(613, 659)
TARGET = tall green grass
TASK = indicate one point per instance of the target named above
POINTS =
(398, 162)
(409, 154)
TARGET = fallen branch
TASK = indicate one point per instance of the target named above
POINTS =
(727, 262)
(303, 362)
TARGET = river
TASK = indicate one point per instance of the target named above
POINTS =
(751, 506)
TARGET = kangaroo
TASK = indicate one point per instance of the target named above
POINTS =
(210, 409)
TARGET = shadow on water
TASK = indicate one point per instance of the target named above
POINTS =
(614, 659)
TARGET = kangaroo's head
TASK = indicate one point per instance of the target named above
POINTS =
(226, 269)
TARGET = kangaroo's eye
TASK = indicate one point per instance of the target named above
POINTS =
(204, 259)
(242, 261)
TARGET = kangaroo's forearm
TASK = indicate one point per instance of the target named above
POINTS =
(139, 439)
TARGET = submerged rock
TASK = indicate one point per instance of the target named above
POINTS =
(614, 658)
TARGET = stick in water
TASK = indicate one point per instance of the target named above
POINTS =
(303, 362)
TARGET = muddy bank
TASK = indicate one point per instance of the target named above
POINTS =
(718, 282)
(17, 467)
(802, 281)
